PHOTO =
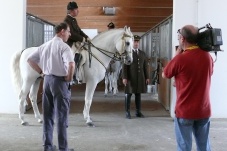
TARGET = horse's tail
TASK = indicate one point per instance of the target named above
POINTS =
(15, 71)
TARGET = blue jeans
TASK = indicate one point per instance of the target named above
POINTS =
(184, 128)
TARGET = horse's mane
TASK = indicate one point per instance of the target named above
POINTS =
(104, 32)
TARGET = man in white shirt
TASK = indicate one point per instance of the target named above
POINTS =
(55, 60)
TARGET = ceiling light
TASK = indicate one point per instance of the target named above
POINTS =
(109, 10)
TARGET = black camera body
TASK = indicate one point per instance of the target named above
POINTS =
(211, 39)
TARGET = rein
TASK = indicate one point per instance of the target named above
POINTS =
(116, 56)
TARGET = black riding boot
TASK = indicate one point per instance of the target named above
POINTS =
(127, 105)
(138, 105)
(77, 59)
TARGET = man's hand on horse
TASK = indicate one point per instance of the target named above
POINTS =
(41, 74)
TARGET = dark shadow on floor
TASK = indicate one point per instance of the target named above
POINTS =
(112, 104)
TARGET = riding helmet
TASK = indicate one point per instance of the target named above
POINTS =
(72, 5)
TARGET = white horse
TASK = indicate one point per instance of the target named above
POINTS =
(25, 79)
(111, 77)
(116, 42)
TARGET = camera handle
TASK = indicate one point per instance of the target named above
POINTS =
(206, 26)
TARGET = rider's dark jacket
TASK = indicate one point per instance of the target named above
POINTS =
(76, 33)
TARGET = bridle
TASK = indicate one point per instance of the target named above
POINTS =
(124, 54)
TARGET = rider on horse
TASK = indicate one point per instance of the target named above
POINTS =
(77, 35)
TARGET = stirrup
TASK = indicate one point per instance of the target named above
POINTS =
(75, 82)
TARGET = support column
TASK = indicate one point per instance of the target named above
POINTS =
(184, 12)
(12, 39)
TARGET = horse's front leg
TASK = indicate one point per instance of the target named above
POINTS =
(89, 92)
(33, 97)
(86, 111)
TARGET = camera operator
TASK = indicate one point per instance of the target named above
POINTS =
(192, 69)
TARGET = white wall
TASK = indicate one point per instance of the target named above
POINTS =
(90, 32)
(213, 12)
(199, 13)
(12, 14)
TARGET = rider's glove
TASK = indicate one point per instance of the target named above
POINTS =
(88, 39)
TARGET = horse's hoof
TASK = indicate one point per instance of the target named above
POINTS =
(40, 121)
(24, 123)
(105, 95)
(90, 124)
(86, 118)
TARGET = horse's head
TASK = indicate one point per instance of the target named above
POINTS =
(124, 46)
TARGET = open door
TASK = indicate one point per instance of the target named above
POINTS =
(164, 88)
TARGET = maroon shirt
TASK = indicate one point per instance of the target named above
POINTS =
(192, 71)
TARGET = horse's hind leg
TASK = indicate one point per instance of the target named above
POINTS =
(22, 100)
(33, 97)
(110, 78)
(22, 104)
(106, 85)
(115, 86)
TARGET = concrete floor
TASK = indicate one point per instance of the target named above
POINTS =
(113, 132)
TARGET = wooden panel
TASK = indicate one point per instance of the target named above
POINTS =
(94, 11)
(144, 11)
(122, 18)
(138, 14)
(104, 19)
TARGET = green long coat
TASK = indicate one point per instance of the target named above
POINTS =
(136, 73)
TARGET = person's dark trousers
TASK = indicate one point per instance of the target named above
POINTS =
(138, 105)
(56, 102)
(127, 105)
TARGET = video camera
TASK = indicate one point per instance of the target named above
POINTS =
(211, 39)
